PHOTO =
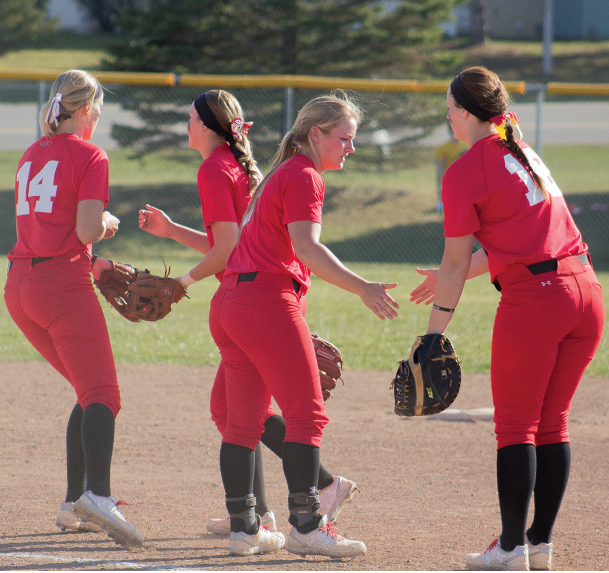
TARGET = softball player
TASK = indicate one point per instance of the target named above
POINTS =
(226, 179)
(549, 320)
(257, 315)
(61, 191)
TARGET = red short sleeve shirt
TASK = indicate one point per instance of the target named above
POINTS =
(54, 174)
(489, 193)
(224, 190)
(295, 192)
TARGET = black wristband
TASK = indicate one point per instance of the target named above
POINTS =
(93, 258)
(442, 308)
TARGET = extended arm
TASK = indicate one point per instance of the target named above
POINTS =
(324, 264)
(157, 222)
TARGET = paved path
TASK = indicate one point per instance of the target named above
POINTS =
(562, 123)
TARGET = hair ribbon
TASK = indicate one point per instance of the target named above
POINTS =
(501, 120)
(54, 109)
(239, 128)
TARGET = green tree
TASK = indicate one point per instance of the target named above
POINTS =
(348, 38)
(22, 21)
(358, 38)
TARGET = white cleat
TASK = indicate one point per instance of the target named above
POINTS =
(334, 497)
(67, 519)
(323, 541)
(103, 512)
(221, 526)
(496, 559)
(540, 556)
(264, 541)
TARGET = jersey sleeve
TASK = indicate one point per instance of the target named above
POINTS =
(216, 192)
(303, 197)
(94, 183)
(461, 189)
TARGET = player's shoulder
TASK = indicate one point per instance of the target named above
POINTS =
(300, 169)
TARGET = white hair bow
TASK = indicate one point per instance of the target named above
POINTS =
(54, 109)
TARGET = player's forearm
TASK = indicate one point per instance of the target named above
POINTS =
(190, 238)
(478, 265)
(451, 278)
(325, 265)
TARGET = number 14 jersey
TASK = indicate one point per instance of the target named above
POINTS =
(53, 175)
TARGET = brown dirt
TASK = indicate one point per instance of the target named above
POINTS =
(427, 487)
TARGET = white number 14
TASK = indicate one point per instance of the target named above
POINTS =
(41, 185)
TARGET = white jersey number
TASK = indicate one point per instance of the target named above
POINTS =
(534, 194)
(41, 185)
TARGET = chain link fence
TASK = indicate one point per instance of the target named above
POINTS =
(383, 208)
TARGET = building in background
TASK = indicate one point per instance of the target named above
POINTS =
(506, 20)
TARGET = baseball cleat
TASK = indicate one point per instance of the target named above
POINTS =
(221, 526)
(540, 556)
(103, 512)
(264, 541)
(67, 519)
(497, 559)
(334, 497)
(325, 541)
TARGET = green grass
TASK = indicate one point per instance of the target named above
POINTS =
(366, 342)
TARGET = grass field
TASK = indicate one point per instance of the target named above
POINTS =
(374, 211)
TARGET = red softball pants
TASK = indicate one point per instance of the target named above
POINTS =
(266, 349)
(546, 331)
(54, 304)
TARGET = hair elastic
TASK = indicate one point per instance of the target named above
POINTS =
(292, 130)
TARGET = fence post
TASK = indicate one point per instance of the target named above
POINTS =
(541, 91)
(288, 109)
(41, 100)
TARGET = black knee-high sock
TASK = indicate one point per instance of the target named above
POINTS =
(259, 486)
(553, 466)
(97, 444)
(515, 481)
(237, 469)
(272, 438)
(75, 456)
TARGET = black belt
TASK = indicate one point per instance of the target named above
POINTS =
(552, 265)
(547, 267)
(249, 277)
(35, 261)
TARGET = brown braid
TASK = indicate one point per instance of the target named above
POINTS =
(513, 146)
(490, 94)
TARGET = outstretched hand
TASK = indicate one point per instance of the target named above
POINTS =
(155, 221)
(375, 297)
(427, 289)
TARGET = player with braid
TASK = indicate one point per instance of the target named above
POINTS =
(549, 320)
(227, 177)
(60, 196)
(257, 314)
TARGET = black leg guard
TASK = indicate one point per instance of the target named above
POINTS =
(242, 512)
(303, 511)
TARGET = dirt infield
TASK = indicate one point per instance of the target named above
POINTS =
(427, 487)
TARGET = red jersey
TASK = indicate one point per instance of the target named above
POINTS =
(223, 189)
(489, 193)
(54, 174)
(295, 192)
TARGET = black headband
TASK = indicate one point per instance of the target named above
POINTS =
(208, 117)
(466, 101)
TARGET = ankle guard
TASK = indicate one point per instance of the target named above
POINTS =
(303, 511)
(242, 513)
